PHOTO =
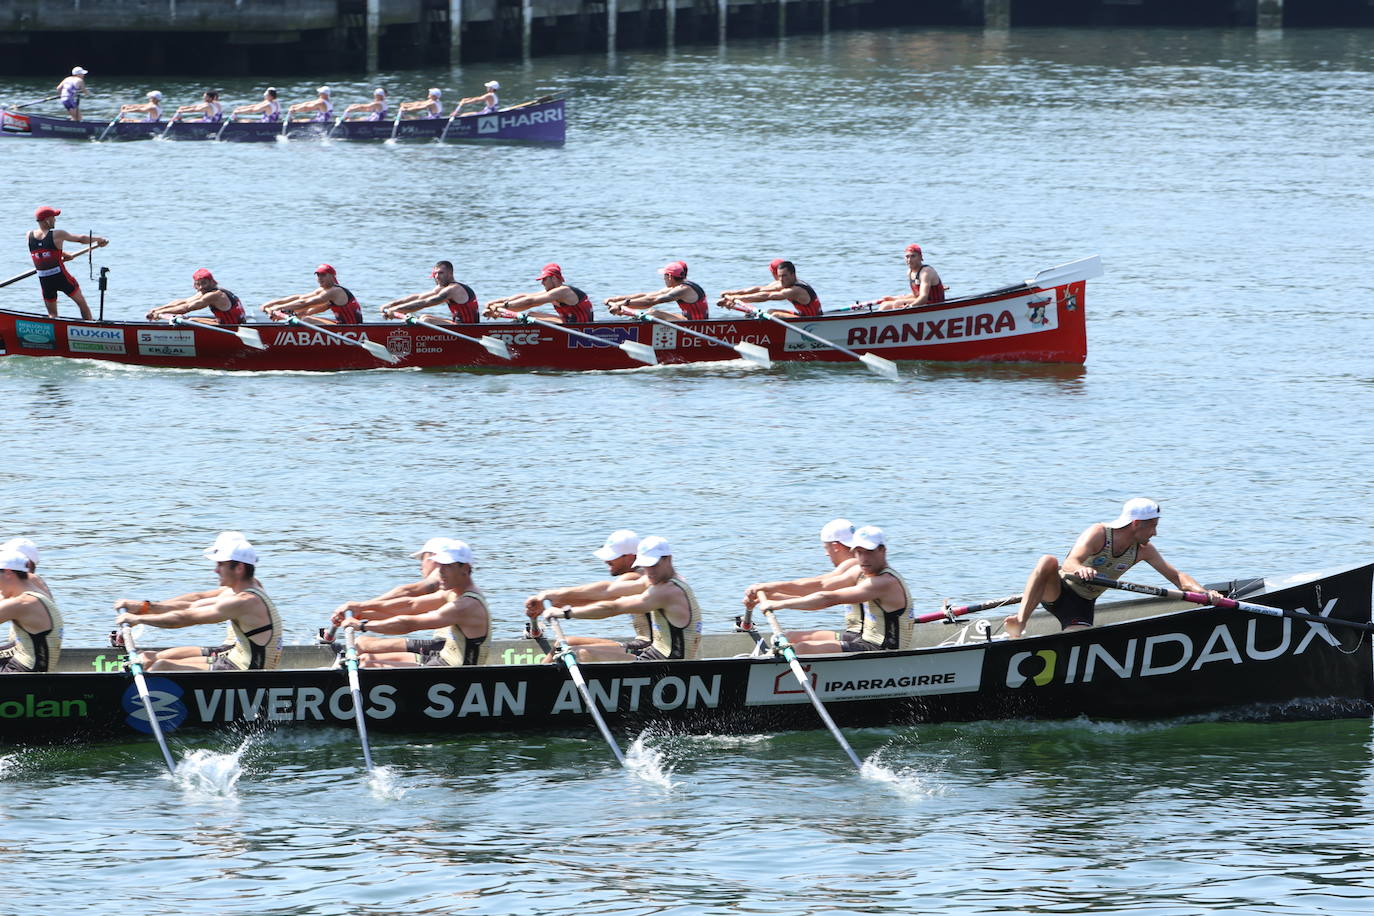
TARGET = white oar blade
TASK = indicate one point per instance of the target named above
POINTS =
(754, 353)
(251, 338)
(884, 367)
(496, 347)
(1072, 272)
(639, 351)
(380, 352)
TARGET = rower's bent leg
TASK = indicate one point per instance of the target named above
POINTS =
(196, 663)
(614, 653)
(369, 645)
(389, 660)
(80, 299)
(817, 645)
(1041, 585)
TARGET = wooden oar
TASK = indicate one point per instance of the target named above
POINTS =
(372, 347)
(884, 367)
(638, 351)
(34, 102)
(249, 336)
(569, 656)
(29, 273)
(127, 636)
(493, 345)
(1229, 604)
(781, 644)
(950, 612)
(351, 663)
(752, 352)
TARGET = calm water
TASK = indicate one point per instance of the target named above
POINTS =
(1224, 177)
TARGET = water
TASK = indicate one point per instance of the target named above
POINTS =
(1224, 177)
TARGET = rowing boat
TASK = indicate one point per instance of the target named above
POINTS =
(1147, 658)
(1030, 322)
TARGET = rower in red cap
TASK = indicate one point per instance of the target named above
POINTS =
(750, 290)
(570, 303)
(45, 248)
(225, 308)
(926, 288)
(328, 296)
(690, 297)
(805, 302)
(462, 302)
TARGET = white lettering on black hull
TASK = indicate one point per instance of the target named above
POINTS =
(502, 700)
(290, 704)
(628, 694)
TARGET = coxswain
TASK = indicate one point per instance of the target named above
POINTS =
(407, 598)
(1106, 549)
(462, 613)
(571, 305)
(462, 302)
(35, 641)
(45, 248)
(30, 551)
(618, 553)
(150, 110)
(70, 91)
(255, 627)
(209, 108)
(225, 307)
(926, 288)
(487, 100)
(750, 290)
(688, 296)
(805, 302)
(374, 110)
(427, 107)
(320, 108)
(268, 110)
(674, 615)
(329, 295)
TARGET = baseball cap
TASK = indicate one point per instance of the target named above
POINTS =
(202, 274)
(675, 269)
(618, 544)
(774, 264)
(551, 270)
(379, 91)
(433, 545)
(13, 559)
(652, 549)
(869, 537)
(435, 93)
(325, 269)
(1135, 510)
(155, 96)
(45, 212)
(453, 552)
(25, 546)
(840, 530)
(914, 247)
(492, 84)
(323, 90)
(237, 551)
(79, 71)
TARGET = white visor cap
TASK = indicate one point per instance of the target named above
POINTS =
(433, 545)
(869, 537)
(619, 544)
(652, 549)
(1139, 509)
(453, 552)
(840, 530)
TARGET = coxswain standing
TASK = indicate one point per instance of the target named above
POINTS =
(426, 108)
(688, 296)
(225, 307)
(570, 303)
(45, 249)
(210, 110)
(374, 110)
(487, 100)
(750, 290)
(320, 108)
(150, 110)
(329, 295)
(461, 300)
(618, 553)
(35, 641)
(806, 304)
(30, 551)
(926, 288)
(269, 108)
(70, 91)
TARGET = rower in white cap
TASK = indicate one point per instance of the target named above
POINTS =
(1105, 549)
(487, 100)
(70, 91)
(428, 107)
(30, 550)
(35, 640)
(320, 108)
(618, 553)
(674, 615)
(254, 627)
(374, 110)
(150, 110)
(837, 540)
(424, 594)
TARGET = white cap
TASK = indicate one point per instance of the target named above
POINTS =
(840, 530)
(434, 93)
(869, 537)
(239, 551)
(229, 537)
(25, 546)
(269, 89)
(79, 71)
(155, 96)
(453, 552)
(379, 91)
(433, 545)
(1135, 510)
(652, 549)
(619, 544)
(13, 559)
(492, 84)
(323, 90)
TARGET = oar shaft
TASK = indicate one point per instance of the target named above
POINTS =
(355, 688)
(141, 683)
(1228, 604)
(800, 674)
(575, 672)
(760, 313)
(29, 273)
(961, 610)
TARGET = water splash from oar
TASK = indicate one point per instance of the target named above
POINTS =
(648, 763)
(385, 783)
(906, 781)
(204, 772)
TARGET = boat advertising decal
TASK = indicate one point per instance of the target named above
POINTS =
(863, 678)
(306, 338)
(13, 123)
(31, 707)
(494, 124)
(664, 338)
(153, 342)
(987, 321)
(36, 335)
(398, 343)
(613, 336)
(81, 339)
(165, 697)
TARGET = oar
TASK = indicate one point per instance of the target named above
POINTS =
(112, 123)
(1229, 604)
(351, 663)
(170, 121)
(752, 352)
(224, 122)
(569, 656)
(493, 345)
(137, 668)
(30, 273)
(950, 612)
(249, 336)
(396, 124)
(638, 351)
(781, 644)
(34, 102)
(447, 125)
(1069, 272)
(372, 347)
(286, 122)
(884, 367)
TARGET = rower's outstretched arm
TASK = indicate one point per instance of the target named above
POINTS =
(866, 590)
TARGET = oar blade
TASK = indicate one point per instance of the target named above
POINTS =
(884, 367)
(251, 338)
(380, 352)
(645, 354)
(496, 347)
(755, 354)
(1071, 272)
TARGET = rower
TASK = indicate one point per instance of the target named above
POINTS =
(618, 553)
(487, 100)
(880, 594)
(150, 110)
(225, 308)
(427, 107)
(35, 624)
(374, 110)
(30, 551)
(926, 288)
(45, 248)
(570, 304)
(269, 108)
(805, 302)
(462, 611)
(328, 296)
(1106, 549)
(211, 111)
(408, 598)
(837, 540)
(255, 627)
(70, 91)
(674, 615)
(320, 108)
(462, 302)
(689, 297)
(751, 290)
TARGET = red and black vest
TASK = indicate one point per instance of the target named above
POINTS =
(47, 257)
(699, 310)
(937, 290)
(233, 315)
(580, 313)
(812, 308)
(466, 312)
(350, 312)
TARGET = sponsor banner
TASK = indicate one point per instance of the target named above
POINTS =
(13, 123)
(398, 343)
(81, 339)
(664, 338)
(613, 336)
(166, 343)
(864, 678)
(164, 696)
(36, 335)
(301, 337)
(1029, 314)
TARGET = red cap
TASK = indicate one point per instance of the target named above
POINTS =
(675, 269)
(325, 269)
(551, 270)
(774, 264)
(44, 212)
(914, 247)
(202, 274)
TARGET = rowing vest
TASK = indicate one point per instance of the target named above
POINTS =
(890, 628)
(699, 310)
(465, 312)
(677, 642)
(350, 312)
(378, 115)
(459, 650)
(937, 290)
(1105, 564)
(71, 91)
(234, 315)
(247, 655)
(47, 257)
(273, 112)
(812, 308)
(327, 114)
(215, 113)
(577, 314)
(38, 651)
(155, 114)
(854, 619)
(492, 105)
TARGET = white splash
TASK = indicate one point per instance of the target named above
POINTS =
(385, 783)
(648, 763)
(905, 780)
(212, 772)
(8, 764)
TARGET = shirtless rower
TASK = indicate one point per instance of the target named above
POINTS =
(487, 100)
(70, 91)
(462, 302)
(805, 302)
(879, 593)
(408, 598)
(269, 109)
(320, 108)
(750, 290)
(462, 610)
(428, 107)
(328, 296)
(571, 305)
(618, 553)
(35, 641)
(255, 627)
(674, 615)
(45, 248)
(209, 108)
(374, 110)
(150, 110)
(677, 289)
(30, 551)
(225, 308)
(926, 288)
(1106, 549)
